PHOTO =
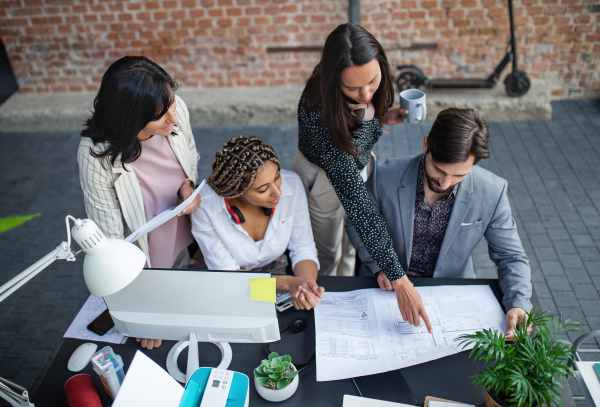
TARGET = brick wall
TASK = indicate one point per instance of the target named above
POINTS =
(65, 46)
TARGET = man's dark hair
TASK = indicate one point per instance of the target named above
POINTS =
(458, 134)
(134, 91)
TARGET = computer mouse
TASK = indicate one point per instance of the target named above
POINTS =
(81, 357)
(298, 325)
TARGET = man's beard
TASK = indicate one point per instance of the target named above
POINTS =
(432, 185)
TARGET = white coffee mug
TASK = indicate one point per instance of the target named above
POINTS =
(413, 100)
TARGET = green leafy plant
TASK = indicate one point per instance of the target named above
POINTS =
(276, 372)
(526, 371)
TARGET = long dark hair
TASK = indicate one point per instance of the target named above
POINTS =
(348, 45)
(134, 91)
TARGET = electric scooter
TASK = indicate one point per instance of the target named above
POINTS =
(517, 82)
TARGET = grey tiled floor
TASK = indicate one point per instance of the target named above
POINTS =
(554, 189)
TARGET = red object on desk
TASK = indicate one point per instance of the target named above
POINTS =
(81, 392)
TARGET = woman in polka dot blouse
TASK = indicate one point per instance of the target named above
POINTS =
(340, 115)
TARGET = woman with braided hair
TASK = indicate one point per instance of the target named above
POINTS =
(252, 211)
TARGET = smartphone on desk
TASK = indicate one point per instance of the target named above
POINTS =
(102, 324)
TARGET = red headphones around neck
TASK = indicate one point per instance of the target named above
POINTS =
(238, 218)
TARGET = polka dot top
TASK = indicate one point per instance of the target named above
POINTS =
(343, 171)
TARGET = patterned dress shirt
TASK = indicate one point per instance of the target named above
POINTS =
(429, 228)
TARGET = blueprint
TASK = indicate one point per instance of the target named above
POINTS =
(362, 332)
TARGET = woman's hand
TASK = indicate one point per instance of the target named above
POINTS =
(184, 193)
(410, 303)
(394, 116)
(149, 343)
(305, 292)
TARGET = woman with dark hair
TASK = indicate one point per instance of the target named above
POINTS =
(252, 211)
(137, 157)
(341, 114)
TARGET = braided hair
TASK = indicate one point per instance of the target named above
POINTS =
(235, 166)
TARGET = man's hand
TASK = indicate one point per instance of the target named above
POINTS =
(410, 303)
(306, 293)
(149, 343)
(515, 316)
(394, 116)
(185, 190)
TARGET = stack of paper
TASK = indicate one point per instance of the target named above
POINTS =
(353, 401)
(591, 378)
(147, 384)
(433, 403)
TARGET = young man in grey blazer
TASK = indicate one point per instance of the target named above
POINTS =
(438, 205)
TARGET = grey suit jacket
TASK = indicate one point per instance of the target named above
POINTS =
(481, 208)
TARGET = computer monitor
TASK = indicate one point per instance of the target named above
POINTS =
(189, 305)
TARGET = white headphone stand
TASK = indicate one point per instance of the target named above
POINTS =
(193, 361)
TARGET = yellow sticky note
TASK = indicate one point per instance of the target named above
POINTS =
(263, 289)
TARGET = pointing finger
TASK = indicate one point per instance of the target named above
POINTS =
(426, 320)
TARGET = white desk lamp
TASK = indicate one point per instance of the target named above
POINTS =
(109, 266)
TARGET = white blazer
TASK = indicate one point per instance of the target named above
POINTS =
(112, 194)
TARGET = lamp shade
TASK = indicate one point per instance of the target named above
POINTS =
(113, 268)
(109, 264)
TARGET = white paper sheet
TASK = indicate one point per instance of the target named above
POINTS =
(163, 217)
(361, 332)
(591, 379)
(93, 307)
(354, 401)
(433, 403)
(146, 384)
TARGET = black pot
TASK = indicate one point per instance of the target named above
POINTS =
(496, 399)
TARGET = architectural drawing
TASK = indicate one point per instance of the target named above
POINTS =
(362, 332)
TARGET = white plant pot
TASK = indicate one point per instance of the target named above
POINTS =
(278, 394)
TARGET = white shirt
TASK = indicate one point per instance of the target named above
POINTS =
(227, 246)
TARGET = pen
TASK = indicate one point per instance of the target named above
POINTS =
(120, 374)
(111, 380)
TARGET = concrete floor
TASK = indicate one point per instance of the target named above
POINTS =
(554, 189)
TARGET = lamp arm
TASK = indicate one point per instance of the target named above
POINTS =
(61, 252)
(14, 398)
(76, 221)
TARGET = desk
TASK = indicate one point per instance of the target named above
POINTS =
(449, 377)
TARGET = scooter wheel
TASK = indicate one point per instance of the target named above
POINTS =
(409, 79)
(517, 84)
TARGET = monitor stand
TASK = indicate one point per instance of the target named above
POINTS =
(193, 362)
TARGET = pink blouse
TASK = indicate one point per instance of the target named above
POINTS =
(160, 176)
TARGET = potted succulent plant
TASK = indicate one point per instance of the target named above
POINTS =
(276, 378)
(528, 370)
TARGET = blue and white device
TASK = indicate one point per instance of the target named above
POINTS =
(212, 387)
